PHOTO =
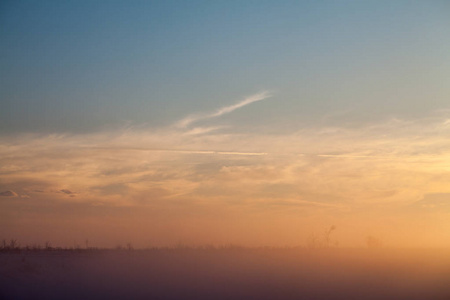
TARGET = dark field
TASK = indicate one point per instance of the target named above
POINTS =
(226, 274)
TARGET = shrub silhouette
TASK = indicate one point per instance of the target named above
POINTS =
(315, 242)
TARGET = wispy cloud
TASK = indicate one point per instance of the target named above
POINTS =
(185, 122)
(168, 175)
(242, 153)
(201, 130)
(8, 194)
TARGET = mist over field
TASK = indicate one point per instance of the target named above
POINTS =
(227, 273)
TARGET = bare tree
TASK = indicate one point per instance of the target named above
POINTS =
(327, 235)
(129, 246)
(13, 245)
(48, 246)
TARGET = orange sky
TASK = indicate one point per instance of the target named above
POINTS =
(166, 186)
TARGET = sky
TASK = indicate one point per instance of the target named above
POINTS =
(216, 122)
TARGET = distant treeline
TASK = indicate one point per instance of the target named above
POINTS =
(14, 246)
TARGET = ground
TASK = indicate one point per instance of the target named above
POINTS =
(231, 273)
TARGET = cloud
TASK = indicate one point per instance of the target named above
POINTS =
(302, 203)
(68, 192)
(392, 162)
(8, 194)
(433, 202)
(201, 130)
(112, 189)
(315, 172)
(242, 153)
(223, 110)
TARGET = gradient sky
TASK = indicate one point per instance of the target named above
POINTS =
(249, 122)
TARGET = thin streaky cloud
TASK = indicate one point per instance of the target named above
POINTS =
(185, 122)
(182, 151)
(346, 156)
(242, 153)
(246, 101)
(201, 130)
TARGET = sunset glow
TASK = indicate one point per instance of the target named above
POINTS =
(256, 124)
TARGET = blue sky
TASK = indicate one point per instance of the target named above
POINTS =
(81, 66)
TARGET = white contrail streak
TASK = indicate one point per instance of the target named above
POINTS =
(214, 152)
(183, 123)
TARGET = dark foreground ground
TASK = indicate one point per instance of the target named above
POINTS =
(226, 274)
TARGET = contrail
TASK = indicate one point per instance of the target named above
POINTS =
(214, 152)
(222, 111)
